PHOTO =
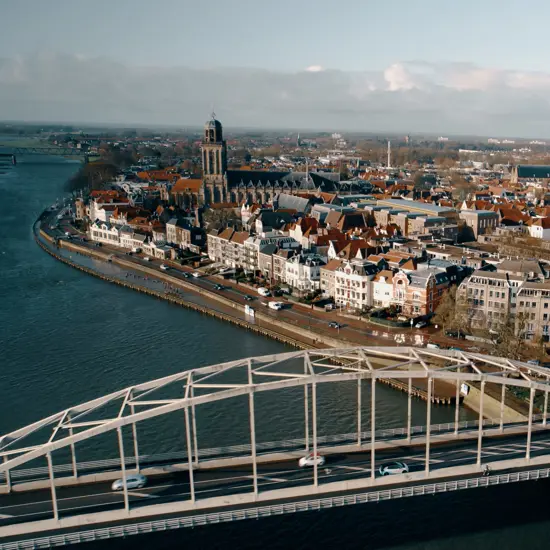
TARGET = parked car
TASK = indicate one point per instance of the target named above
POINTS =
(219, 287)
(134, 481)
(533, 362)
(421, 324)
(393, 468)
(334, 324)
(248, 298)
(455, 334)
(185, 275)
(431, 345)
(276, 305)
(146, 259)
(196, 274)
(164, 267)
(310, 460)
(262, 291)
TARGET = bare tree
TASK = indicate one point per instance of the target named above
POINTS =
(220, 218)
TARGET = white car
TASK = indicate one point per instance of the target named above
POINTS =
(311, 460)
(393, 468)
(196, 274)
(164, 267)
(146, 259)
(262, 291)
(134, 481)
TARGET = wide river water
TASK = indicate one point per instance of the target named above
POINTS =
(66, 337)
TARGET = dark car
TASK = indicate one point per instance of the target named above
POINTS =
(334, 324)
(219, 287)
(248, 298)
(455, 334)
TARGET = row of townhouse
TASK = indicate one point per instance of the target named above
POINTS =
(125, 237)
(359, 284)
(517, 290)
(277, 257)
(240, 249)
(353, 281)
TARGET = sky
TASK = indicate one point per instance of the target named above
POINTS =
(422, 66)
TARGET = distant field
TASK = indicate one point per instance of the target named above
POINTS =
(9, 141)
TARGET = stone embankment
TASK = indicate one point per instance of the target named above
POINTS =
(178, 300)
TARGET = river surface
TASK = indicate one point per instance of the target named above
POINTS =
(66, 337)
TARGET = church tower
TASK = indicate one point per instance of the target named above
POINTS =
(214, 161)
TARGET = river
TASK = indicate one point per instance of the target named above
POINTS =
(66, 337)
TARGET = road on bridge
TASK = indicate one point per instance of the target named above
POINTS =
(19, 507)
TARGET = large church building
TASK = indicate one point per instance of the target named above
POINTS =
(221, 185)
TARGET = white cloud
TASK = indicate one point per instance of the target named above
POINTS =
(399, 78)
(314, 69)
(406, 96)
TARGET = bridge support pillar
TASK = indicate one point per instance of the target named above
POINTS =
(530, 424)
(306, 412)
(457, 405)
(359, 411)
(252, 431)
(502, 398)
(135, 438)
(428, 425)
(480, 424)
(123, 470)
(372, 426)
(545, 412)
(409, 411)
(189, 455)
(314, 421)
(194, 424)
(8, 476)
(52, 487)
(73, 453)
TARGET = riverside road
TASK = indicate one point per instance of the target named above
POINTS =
(34, 505)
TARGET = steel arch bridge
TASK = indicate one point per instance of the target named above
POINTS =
(187, 390)
(51, 150)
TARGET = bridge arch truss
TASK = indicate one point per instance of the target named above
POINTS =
(187, 390)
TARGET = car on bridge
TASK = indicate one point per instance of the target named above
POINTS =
(134, 481)
(311, 460)
(393, 468)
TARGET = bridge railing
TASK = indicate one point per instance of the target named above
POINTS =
(274, 510)
(228, 451)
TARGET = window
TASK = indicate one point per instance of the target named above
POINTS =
(521, 304)
(533, 304)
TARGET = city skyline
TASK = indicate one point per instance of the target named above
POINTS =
(306, 66)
